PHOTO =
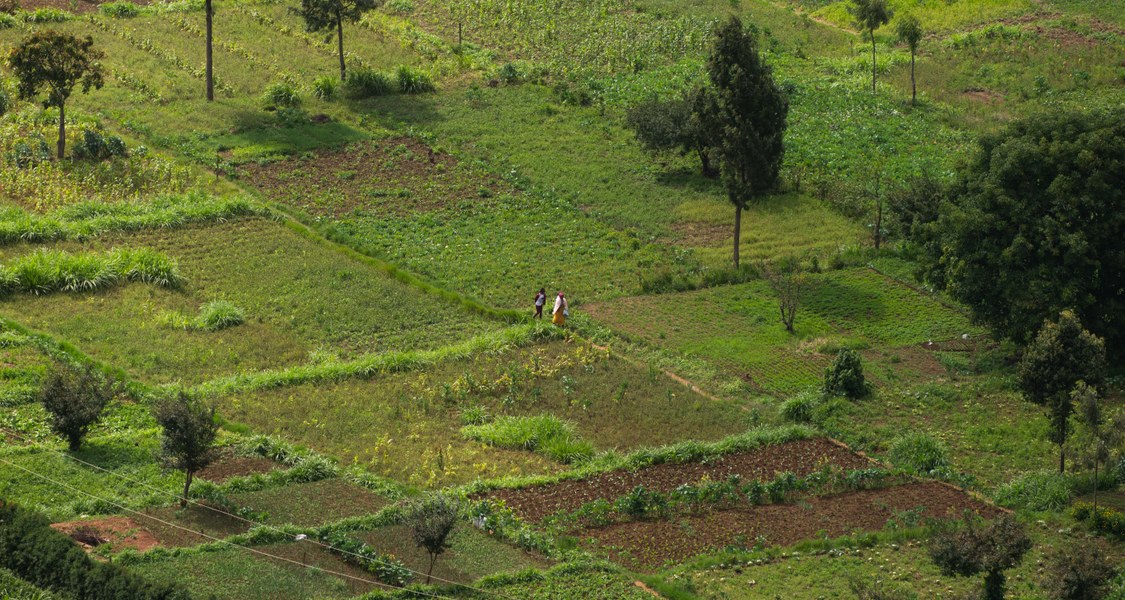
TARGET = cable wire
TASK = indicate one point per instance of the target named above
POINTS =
(215, 539)
(252, 522)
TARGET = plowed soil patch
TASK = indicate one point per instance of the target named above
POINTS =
(230, 465)
(122, 532)
(800, 457)
(398, 176)
(650, 544)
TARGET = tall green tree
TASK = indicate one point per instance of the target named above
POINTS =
(54, 64)
(870, 15)
(188, 441)
(1033, 225)
(909, 30)
(326, 15)
(750, 113)
(1061, 356)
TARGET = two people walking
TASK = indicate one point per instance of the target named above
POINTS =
(560, 312)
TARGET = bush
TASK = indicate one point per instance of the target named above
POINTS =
(1046, 490)
(29, 151)
(845, 376)
(640, 503)
(120, 10)
(976, 547)
(94, 145)
(219, 314)
(366, 83)
(7, 21)
(38, 554)
(5, 99)
(543, 433)
(47, 15)
(281, 95)
(508, 74)
(1105, 520)
(800, 408)
(919, 453)
(324, 87)
(414, 81)
(74, 401)
(1077, 571)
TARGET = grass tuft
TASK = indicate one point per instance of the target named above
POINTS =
(545, 433)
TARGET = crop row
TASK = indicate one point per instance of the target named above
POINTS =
(312, 41)
(251, 58)
(146, 45)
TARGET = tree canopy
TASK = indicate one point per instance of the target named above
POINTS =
(187, 443)
(751, 114)
(869, 15)
(1034, 225)
(54, 64)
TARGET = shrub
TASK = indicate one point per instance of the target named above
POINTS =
(387, 568)
(1036, 491)
(94, 145)
(508, 74)
(1105, 520)
(120, 10)
(475, 415)
(800, 408)
(366, 83)
(5, 99)
(919, 453)
(981, 548)
(414, 81)
(640, 503)
(219, 314)
(47, 15)
(324, 87)
(7, 21)
(845, 376)
(1077, 571)
(74, 401)
(29, 151)
(281, 95)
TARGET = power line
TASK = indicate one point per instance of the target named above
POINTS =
(215, 539)
(255, 523)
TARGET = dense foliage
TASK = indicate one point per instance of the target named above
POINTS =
(33, 550)
(845, 376)
(981, 548)
(75, 400)
(187, 443)
(1035, 224)
(1061, 356)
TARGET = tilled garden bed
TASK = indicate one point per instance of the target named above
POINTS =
(648, 545)
(800, 457)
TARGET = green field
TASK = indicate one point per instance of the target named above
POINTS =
(383, 253)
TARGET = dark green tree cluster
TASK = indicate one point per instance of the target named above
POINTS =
(739, 118)
(1034, 226)
(74, 400)
(35, 552)
(974, 547)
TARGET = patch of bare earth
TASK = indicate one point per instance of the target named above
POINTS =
(701, 234)
(396, 176)
(232, 465)
(983, 96)
(648, 545)
(800, 457)
(121, 532)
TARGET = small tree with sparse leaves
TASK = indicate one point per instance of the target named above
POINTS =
(787, 278)
(1106, 434)
(188, 441)
(870, 15)
(1078, 571)
(975, 547)
(74, 401)
(1062, 355)
(53, 64)
(909, 30)
(432, 519)
(329, 15)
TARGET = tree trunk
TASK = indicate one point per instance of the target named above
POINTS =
(1095, 492)
(913, 86)
(737, 232)
(709, 171)
(872, 61)
(210, 76)
(340, 44)
(433, 559)
(62, 130)
(994, 585)
(1062, 459)
(458, 34)
(187, 486)
(878, 222)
